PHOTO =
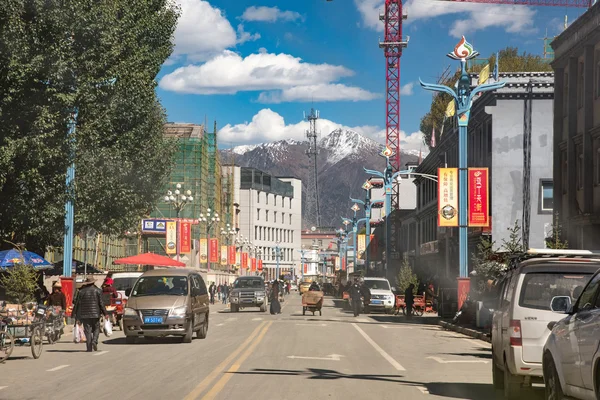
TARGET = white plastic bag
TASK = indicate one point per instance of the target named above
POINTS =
(77, 333)
(107, 328)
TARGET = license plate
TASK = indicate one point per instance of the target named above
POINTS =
(153, 320)
(377, 302)
(247, 301)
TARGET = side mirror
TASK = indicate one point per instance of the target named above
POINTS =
(127, 292)
(560, 304)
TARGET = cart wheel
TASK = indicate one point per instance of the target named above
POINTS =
(7, 344)
(320, 313)
(50, 338)
(121, 324)
(419, 312)
(303, 310)
(37, 342)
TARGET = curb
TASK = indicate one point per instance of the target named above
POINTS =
(466, 331)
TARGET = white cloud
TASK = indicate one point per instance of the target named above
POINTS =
(268, 126)
(203, 31)
(229, 73)
(408, 89)
(269, 14)
(514, 19)
(245, 36)
(319, 93)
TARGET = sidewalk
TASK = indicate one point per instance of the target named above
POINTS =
(476, 333)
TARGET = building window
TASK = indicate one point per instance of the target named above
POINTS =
(267, 198)
(258, 214)
(579, 167)
(267, 215)
(546, 195)
(290, 203)
(257, 197)
(290, 219)
(275, 213)
(580, 86)
(256, 233)
(275, 200)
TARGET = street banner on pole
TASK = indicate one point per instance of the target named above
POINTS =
(478, 197)
(185, 236)
(171, 237)
(244, 260)
(203, 250)
(253, 263)
(447, 196)
(343, 263)
(238, 258)
(373, 247)
(223, 255)
(305, 268)
(336, 263)
(214, 250)
(362, 244)
(260, 266)
(231, 255)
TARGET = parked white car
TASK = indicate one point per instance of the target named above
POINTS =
(572, 352)
(382, 297)
(520, 321)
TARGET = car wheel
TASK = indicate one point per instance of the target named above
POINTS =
(497, 374)
(188, 333)
(512, 384)
(130, 339)
(121, 324)
(234, 308)
(203, 331)
(552, 381)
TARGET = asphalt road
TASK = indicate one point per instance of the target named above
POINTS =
(252, 355)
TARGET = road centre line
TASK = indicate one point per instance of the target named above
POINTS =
(215, 372)
(216, 389)
(385, 355)
(257, 319)
(57, 368)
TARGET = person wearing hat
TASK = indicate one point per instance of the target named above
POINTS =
(57, 298)
(88, 308)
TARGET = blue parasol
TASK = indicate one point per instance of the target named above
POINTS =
(8, 258)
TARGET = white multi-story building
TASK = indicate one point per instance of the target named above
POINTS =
(270, 217)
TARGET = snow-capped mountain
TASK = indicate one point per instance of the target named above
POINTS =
(342, 156)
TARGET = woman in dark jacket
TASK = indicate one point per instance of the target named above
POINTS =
(274, 299)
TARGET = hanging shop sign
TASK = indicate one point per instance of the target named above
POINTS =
(224, 255)
(203, 250)
(214, 250)
(478, 197)
(231, 255)
(253, 264)
(185, 237)
(171, 237)
(447, 196)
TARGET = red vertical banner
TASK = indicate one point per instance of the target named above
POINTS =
(253, 264)
(231, 255)
(305, 268)
(260, 266)
(185, 237)
(343, 263)
(214, 250)
(373, 246)
(244, 260)
(478, 199)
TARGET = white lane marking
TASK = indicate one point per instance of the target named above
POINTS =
(442, 361)
(362, 320)
(230, 319)
(220, 324)
(257, 319)
(101, 352)
(57, 368)
(479, 343)
(423, 389)
(393, 327)
(331, 357)
(311, 324)
(3, 387)
(385, 355)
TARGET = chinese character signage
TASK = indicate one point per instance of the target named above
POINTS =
(238, 258)
(337, 263)
(362, 244)
(244, 260)
(171, 237)
(223, 255)
(447, 196)
(478, 197)
(231, 255)
(260, 266)
(214, 250)
(343, 263)
(253, 264)
(203, 250)
(185, 237)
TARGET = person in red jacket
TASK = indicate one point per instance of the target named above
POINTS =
(108, 288)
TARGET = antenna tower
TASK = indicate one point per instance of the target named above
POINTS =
(313, 213)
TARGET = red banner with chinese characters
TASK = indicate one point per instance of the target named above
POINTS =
(260, 266)
(185, 237)
(478, 197)
(231, 255)
(305, 268)
(373, 247)
(343, 263)
(253, 264)
(244, 260)
(214, 250)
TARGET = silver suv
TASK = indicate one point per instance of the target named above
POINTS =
(248, 291)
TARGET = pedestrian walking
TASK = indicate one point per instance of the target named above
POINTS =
(409, 299)
(212, 289)
(225, 293)
(355, 292)
(274, 299)
(87, 309)
(57, 298)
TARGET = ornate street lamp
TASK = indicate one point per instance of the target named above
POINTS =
(209, 219)
(178, 199)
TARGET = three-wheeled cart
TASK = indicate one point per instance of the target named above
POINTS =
(21, 328)
(312, 301)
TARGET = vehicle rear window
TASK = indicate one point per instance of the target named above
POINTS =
(540, 287)
(124, 283)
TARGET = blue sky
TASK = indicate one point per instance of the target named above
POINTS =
(254, 66)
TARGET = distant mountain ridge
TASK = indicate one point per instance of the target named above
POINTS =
(342, 156)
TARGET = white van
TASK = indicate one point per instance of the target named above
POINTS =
(124, 281)
(520, 321)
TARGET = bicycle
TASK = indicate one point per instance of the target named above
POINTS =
(7, 341)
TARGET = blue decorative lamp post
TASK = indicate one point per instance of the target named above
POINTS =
(463, 95)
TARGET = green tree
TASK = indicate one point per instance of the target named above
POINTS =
(509, 61)
(514, 244)
(487, 263)
(102, 58)
(554, 241)
(406, 276)
(20, 283)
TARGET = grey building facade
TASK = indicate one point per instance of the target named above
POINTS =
(510, 132)
(577, 130)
